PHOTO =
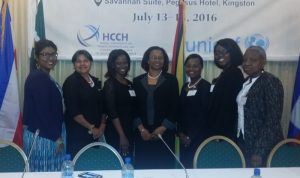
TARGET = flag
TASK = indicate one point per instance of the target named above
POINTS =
(10, 115)
(179, 46)
(178, 55)
(294, 128)
(37, 25)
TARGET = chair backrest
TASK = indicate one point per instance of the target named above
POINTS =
(218, 152)
(12, 158)
(97, 156)
(286, 153)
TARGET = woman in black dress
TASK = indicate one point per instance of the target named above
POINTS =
(119, 103)
(194, 101)
(85, 121)
(157, 106)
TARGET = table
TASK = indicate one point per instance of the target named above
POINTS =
(176, 173)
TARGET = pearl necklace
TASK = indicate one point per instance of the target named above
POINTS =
(193, 86)
(155, 76)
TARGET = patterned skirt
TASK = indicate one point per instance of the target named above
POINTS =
(43, 157)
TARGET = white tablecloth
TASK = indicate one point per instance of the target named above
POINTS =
(176, 173)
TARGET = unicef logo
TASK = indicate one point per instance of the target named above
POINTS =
(257, 40)
(89, 35)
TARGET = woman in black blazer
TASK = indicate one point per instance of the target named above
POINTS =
(85, 119)
(156, 106)
(223, 108)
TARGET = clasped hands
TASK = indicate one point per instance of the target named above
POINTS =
(97, 132)
(146, 135)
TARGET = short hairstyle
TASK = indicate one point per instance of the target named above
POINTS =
(42, 44)
(260, 51)
(112, 57)
(146, 58)
(197, 56)
(38, 47)
(83, 52)
(236, 55)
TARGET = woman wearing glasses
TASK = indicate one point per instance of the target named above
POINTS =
(85, 121)
(157, 103)
(43, 111)
(225, 88)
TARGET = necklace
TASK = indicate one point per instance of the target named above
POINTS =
(193, 86)
(155, 76)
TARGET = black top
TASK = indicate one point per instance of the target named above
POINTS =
(223, 106)
(194, 110)
(81, 98)
(119, 104)
(193, 118)
(163, 108)
(165, 102)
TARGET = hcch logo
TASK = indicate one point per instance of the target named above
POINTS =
(257, 40)
(98, 2)
(87, 34)
(90, 35)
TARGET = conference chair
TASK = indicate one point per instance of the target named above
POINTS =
(97, 156)
(218, 152)
(12, 158)
(286, 153)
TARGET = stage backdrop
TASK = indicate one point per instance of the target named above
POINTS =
(134, 25)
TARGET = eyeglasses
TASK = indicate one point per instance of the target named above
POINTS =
(48, 55)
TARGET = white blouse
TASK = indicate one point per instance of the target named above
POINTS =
(241, 101)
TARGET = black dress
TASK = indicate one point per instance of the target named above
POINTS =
(81, 98)
(193, 118)
(119, 104)
(156, 105)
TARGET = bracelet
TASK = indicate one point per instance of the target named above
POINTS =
(91, 129)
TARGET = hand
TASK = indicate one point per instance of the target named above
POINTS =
(59, 146)
(256, 161)
(184, 139)
(97, 132)
(124, 145)
(145, 134)
(158, 131)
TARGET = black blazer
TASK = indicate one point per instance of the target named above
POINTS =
(223, 106)
(262, 112)
(166, 97)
